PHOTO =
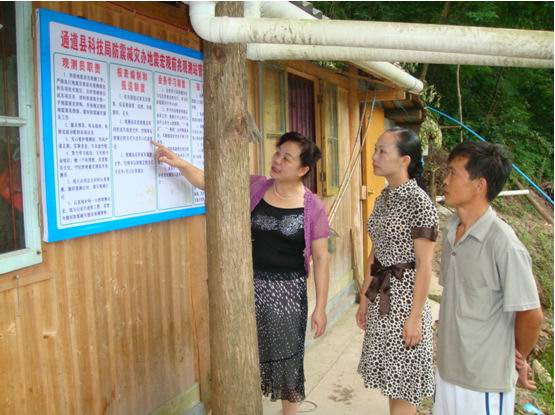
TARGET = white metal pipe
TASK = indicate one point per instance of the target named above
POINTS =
(202, 13)
(385, 35)
(12, 121)
(285, 9)
(515, 192)
(503, 193)
(392, 73)
(303, 52)
(252, 9)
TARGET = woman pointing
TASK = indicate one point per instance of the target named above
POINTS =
(289, 227)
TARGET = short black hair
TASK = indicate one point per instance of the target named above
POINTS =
(310, 153)
(490, 161)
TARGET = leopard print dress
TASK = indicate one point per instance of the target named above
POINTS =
(400, 215)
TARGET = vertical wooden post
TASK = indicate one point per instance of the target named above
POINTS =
(233, 343)
(458, 78)
(356, 185)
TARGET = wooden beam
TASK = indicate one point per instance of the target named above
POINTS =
(375, 79)
(175, 14)
(406, 112)
(17, 281)
(371, 80)
(411, 126)
(181, 403)
(409, 115)
(537, 202)
(383, 95)
(233, 341)
(322, 73)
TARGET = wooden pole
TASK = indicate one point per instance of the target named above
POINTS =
(358, 277)
(459, 97)
(355, 124)
(545, 211)
(233, 342)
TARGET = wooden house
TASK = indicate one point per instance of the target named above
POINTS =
(117, 322)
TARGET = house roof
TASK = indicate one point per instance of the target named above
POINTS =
(408, 111)
(309, 8)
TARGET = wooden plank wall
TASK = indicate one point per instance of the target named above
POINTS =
(115, 323)
(347, 218)
(341, 259)
(349, 214)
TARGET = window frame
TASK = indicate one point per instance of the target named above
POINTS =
(25, 122)
(270, 138)
(330, 158)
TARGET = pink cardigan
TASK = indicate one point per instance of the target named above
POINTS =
(316, 224)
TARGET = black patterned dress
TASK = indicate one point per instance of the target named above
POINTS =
(280, 299)
(400, 215)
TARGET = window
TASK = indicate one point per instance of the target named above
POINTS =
(301, 116)
(273, 109)
(330, 142)
(287, 104)
(19, 224)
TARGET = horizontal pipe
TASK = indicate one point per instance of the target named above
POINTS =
(287, 10)
(392, 73)
(12, 121)
(263, 52)
(404, 36)
(284, 10)
(201, 15)
(504, 193)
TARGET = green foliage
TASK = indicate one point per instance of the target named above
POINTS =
(545, 390)
(511, 106)
(435, 297)
(537, 236)
(531, 229)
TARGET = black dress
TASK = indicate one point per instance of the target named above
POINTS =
(280, 299)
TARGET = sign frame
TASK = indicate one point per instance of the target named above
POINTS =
(52, 229)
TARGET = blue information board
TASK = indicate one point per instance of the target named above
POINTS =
(105, 93)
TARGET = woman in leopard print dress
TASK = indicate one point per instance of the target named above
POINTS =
(397, 348)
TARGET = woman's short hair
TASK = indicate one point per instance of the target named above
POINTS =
(310, 153)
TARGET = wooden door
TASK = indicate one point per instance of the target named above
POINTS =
(374, 126)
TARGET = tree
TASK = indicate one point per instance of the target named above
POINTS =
(233, 342)
(510, 106)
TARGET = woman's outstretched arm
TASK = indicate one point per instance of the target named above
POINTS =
(194, 175)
